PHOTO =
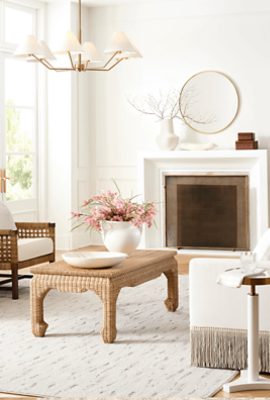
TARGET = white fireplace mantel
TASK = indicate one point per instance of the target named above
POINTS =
(154, 166)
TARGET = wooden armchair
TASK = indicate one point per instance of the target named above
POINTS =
(32, 243)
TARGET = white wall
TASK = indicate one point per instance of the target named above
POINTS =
(177, 39)
(59, 129)
(95, 135)
(83, 158)
(68, 159)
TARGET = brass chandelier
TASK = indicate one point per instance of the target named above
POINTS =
(80, 56)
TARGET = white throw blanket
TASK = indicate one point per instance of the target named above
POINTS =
(234, 277)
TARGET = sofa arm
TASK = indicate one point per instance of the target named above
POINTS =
(8, 248)
(218, 317)
(213, 305)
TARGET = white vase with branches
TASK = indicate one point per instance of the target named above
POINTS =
(167, 139)
(165, 107)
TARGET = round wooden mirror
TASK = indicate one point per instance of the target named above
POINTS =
(209, 102)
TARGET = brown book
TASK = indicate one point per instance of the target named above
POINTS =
(246, 136)
(246, 145)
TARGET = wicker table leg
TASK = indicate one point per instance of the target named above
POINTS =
(172, 301)
(109, 296)
(39, 326)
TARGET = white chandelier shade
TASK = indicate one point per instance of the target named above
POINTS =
(29, 45)
(46, 52)
(70, 44)
(119, 42)
(79, 55)
(90, 52)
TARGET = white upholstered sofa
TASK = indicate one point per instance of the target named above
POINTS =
(218, 314)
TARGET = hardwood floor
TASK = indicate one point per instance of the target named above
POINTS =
(252, 393)
(16, 397)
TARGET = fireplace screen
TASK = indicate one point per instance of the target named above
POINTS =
(207, 212)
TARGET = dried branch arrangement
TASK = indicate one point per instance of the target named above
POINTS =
(163, 106)
(167, 106)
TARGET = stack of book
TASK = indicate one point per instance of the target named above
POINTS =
(246, 141)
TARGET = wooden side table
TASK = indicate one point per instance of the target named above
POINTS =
(250, 379)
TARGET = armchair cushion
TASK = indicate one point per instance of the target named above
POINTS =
(30, 243)
(262, 249)
(34, 247)
(6, 219)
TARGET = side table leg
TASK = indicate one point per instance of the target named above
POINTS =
(37, 295)
(253, 337)
(172, 301)
(250, 379)
(109, 296)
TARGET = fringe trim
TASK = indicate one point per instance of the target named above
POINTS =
(226, 348)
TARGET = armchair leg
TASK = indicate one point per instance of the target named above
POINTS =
(14, 278)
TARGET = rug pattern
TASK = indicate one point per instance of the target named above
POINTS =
(150, 357)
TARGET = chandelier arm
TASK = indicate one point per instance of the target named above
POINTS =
(71, 61)
(110, 59)
(42, 61)
(48, 64)
(107, 69)
(63, 69)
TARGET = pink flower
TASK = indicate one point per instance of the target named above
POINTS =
(111, 206)
(75, 214)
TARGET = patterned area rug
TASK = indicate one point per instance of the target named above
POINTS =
(150, 357)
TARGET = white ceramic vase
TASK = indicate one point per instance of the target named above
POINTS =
(120, 236)
(167, 140)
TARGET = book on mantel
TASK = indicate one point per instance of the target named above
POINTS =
(246, 141)
(246, 136)
(246, 144)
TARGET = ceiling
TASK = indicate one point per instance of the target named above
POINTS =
(108, 2)
(104, 2)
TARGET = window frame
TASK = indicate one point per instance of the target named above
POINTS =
(31, 206)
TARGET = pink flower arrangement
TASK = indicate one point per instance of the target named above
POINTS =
(110, 206)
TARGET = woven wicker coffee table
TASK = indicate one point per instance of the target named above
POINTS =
(140, 267)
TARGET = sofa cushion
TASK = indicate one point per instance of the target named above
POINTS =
(6, 219)
(262, 249)
(32, 248)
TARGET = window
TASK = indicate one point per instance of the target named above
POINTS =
(20, 122)
(18, 129)
(18, 23)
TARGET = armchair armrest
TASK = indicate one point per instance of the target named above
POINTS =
(35, 229)
(25, 230)
(28, 230)
(8, 248)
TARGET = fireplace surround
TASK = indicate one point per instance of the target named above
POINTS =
(154, 167)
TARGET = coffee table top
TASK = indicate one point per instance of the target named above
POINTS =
(139, 259)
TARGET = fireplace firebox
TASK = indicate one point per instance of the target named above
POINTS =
(207, 212)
